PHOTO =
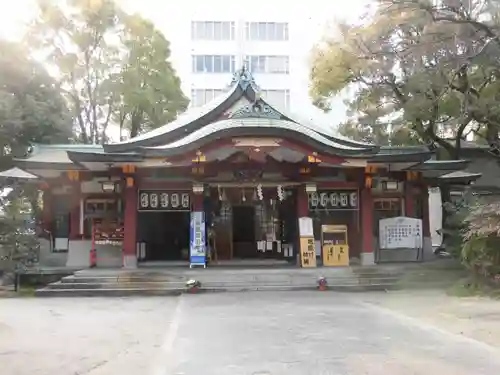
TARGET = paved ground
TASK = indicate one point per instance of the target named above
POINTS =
(245, 333)
(474, 317)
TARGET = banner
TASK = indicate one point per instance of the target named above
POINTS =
(197, 247)
(163, 200)
(331, 200)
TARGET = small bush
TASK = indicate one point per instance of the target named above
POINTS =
(481, 237)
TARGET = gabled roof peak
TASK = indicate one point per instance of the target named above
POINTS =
(244, 78)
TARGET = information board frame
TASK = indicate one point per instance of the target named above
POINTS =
(197, 240)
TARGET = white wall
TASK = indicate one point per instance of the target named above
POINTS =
(435, 215)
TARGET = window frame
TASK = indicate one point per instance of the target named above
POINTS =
(211, 60)
(267, 31)
(201, 96)
(286, 92)
(254, 64)
(206, 30)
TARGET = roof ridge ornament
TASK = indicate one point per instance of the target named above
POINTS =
(244, 78)
(257, 109)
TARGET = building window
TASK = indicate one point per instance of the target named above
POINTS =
(200, 97)
(279, 98)
(212, 30)
(277, 31)
(214, 63)
(267, 64)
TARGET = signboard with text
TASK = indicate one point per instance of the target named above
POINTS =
(163, 200)
(197, 247)
(307, 252)
(333, 200)
(335, 247)
(400, 233)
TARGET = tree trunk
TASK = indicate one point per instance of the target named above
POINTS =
(445, 201)
(445, 189)
(135, 123)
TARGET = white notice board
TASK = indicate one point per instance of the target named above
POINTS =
(400, 233)
(306, 227)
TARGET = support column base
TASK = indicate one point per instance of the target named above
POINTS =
(367, 259)
(428, 250)
(129, 261)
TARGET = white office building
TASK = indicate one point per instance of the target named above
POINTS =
(212, 39)
(218, 48)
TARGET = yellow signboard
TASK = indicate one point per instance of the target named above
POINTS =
(307, 252)
(335, 255)
(335, 249)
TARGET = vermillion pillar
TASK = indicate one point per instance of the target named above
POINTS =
(409, 201)
(197, 202)
(367, 250)
(130, 226)
(302, 202)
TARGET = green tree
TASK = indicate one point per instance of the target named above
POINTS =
(477, 23)
(109, 63)
(76, 37)
(379, 133)
(32, 108)
(18, 241)
(430, 71)
(414, 72)
(148, 90)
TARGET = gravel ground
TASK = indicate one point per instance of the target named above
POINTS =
(474, 317)
(251, 333)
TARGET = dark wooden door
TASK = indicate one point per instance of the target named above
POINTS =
(244, 242)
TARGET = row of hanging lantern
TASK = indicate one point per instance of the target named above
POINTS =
(258, 194)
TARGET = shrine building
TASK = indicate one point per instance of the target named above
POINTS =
(259, 177)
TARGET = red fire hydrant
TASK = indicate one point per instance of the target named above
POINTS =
(322, 284)
(193, 286)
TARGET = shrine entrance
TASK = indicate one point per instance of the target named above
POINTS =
(164, 236)
(253, 223)
(244, 243)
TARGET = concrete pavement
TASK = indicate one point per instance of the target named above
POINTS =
(232, 333)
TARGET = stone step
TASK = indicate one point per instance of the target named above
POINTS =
(217, 278)
(102, 282)
(267, 281)
(113, 284)
(124, 292)
(120, 292)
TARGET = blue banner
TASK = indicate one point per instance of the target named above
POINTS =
(197, 247)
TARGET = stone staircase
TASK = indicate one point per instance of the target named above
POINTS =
(102, 282)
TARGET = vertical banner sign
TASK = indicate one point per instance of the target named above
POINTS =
(197, 248)
(307, 252)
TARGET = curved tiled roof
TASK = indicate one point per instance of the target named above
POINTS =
(253, 126)
(194, 120)
(183, 120)
(198, 127)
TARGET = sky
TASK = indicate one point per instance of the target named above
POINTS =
(14, 14)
